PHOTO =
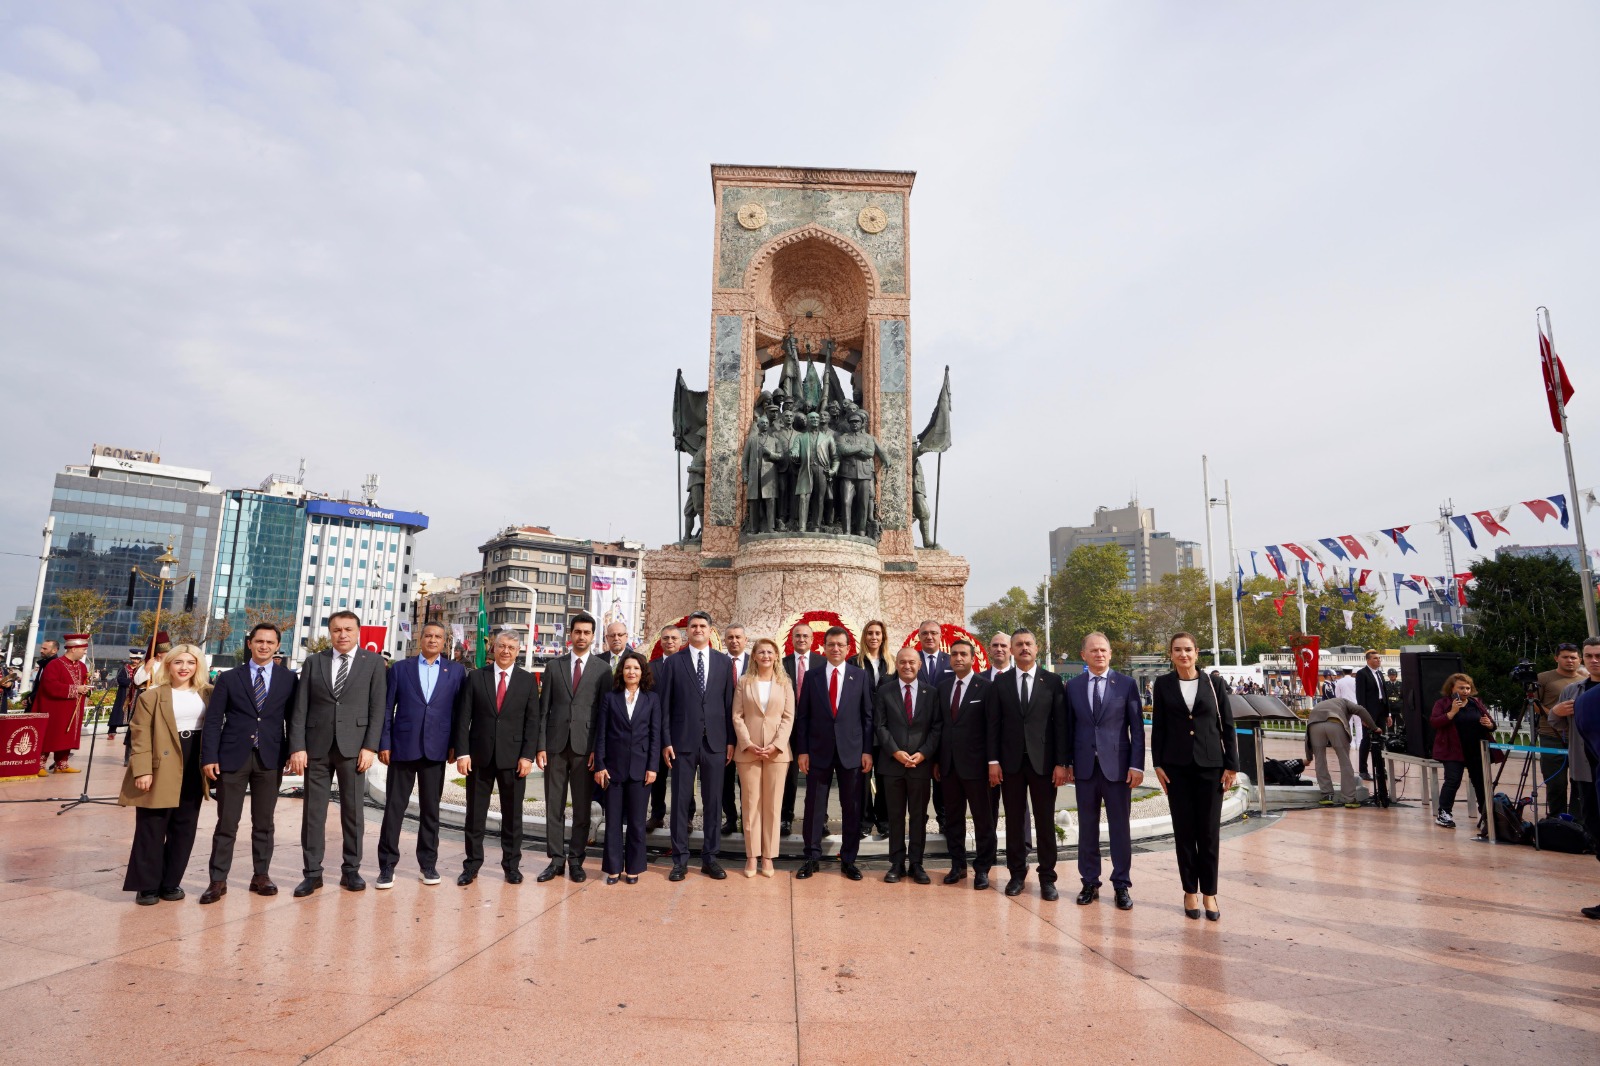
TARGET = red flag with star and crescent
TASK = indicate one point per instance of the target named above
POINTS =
(1307, 648)
(1554, 372)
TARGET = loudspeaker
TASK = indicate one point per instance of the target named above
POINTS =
(1422, 678)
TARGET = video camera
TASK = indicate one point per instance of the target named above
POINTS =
(1526, 675)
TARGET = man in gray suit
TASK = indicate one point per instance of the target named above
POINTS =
(335, 728)
(574, 685)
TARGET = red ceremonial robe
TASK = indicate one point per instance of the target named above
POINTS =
(64, 732)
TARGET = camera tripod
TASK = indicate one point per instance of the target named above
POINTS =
(1530, 777)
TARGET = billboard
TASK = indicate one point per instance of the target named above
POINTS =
(337, 509)
(614, 597)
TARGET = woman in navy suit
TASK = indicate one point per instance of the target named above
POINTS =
(627, 746)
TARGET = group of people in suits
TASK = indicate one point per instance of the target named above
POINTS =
(613, 725)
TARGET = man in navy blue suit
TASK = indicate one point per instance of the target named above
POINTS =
(416, 744)
(697, 703)
(243, 745)
(832, 737)
(1107, 762)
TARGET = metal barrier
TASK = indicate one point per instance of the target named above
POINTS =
(1488, 786)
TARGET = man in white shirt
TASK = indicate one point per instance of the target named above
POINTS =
(796, 665)
(734, 641)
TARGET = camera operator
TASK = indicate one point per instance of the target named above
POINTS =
(1581, 768)
(1460, 724)
(1553, 729)
(1328, 726)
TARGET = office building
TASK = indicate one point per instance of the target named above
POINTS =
(534, 583)
(122, 510)
(305, 556)
(1569, 552)
(1151, 553)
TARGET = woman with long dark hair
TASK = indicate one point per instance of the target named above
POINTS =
(1196, 756)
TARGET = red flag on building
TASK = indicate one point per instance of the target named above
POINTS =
(1554, 372)
(1411, 627)
(1307, 648)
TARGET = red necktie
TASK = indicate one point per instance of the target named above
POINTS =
(955, 702)
(577, 673)
(799, 677)
(500, 693)
(909, 711)
(833, 692)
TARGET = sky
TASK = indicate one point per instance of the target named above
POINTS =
(468, 246)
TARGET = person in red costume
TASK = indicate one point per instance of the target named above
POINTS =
(63, 684)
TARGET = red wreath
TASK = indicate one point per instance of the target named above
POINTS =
(683, 623)
(949, 633)
(820, 622)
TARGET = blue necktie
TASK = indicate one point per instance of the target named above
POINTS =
(260, 691)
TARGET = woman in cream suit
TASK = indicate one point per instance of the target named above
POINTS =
(763, 715)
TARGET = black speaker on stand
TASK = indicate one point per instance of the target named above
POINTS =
(1422, 677)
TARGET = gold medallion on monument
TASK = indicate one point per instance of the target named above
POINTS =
(872, 219)
(752, 215)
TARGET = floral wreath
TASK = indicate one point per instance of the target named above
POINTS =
(820, 622)
(683, 623)
(949, 633)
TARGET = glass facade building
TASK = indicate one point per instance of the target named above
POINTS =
(258, 563)
(113, 515)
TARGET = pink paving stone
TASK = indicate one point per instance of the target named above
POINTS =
(1347, 937)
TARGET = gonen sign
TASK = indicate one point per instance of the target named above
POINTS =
(134, 454)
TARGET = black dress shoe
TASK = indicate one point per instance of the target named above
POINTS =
(352, 882)
(955, 877)
(1587, 912)
(147, 899)
(980, 882)
(713, 869)
(892, 877)
(786, 829)
(806, 870)
(556, 868)
(1089, 894)
(214, 891)
(1014, 886)
(1192, 913)
(678, 873)
(466, 878)
(171, 895)
(1049, 892)
(612, 879)
(262, 885)
(1124, 900)
(513, 877)
(919, 875)
(728, 829)
(850, 870)
(653, 824)
(306, 887)
(575, 872)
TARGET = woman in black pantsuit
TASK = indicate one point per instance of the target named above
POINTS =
(627, 746)
(163, 781)
(1196, 756)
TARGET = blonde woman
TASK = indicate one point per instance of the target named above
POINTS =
(763, 716)
(163, 779)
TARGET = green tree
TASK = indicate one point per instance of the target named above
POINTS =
(1175, 604)
(83, 607)
(1010, 612)
(1521, 607)
(1086, 595)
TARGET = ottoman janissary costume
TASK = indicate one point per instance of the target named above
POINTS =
(63, 684)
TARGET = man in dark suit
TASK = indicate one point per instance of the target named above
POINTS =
(574, 686)
(1107, 716)
(961, 768)
(497, 734)
(243, 746)
(734, 640)
(335, 729)
(1372, 694)
(832, 737)
(697, 703)
(798, 664)
(909, 725)
(1029, 748)
(935, 663)
(671, 639)
(418, 739)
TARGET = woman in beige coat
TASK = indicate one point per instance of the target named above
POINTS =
(163, 781)
(763, 715)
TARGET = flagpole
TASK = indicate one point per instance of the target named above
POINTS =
(1211, 568)
(1233, 576)
(938, 483)
(1585, 574)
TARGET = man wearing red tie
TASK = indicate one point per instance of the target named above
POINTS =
(497, 735)
(832, 731)
(909, 725)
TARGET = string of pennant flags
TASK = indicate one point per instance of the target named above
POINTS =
(1289, 559)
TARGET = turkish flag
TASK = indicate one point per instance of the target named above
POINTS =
(1279, 605)
(1364, 575)
(1490, 526)
(374, 638)
(1542, 509)
(1554, 372)
(1307, 648)
(1299, 552)
(1411, 627)
(1354, 546)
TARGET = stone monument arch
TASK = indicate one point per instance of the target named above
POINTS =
(810, 318)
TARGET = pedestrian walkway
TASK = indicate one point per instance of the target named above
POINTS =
(1346, 937)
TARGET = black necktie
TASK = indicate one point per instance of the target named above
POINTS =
(1094, 699)
(700, 669)
(1024, 691)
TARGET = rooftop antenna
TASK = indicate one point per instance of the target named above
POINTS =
(300, 479)
(369, 489)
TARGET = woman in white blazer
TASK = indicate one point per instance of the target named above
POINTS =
(763, 716)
